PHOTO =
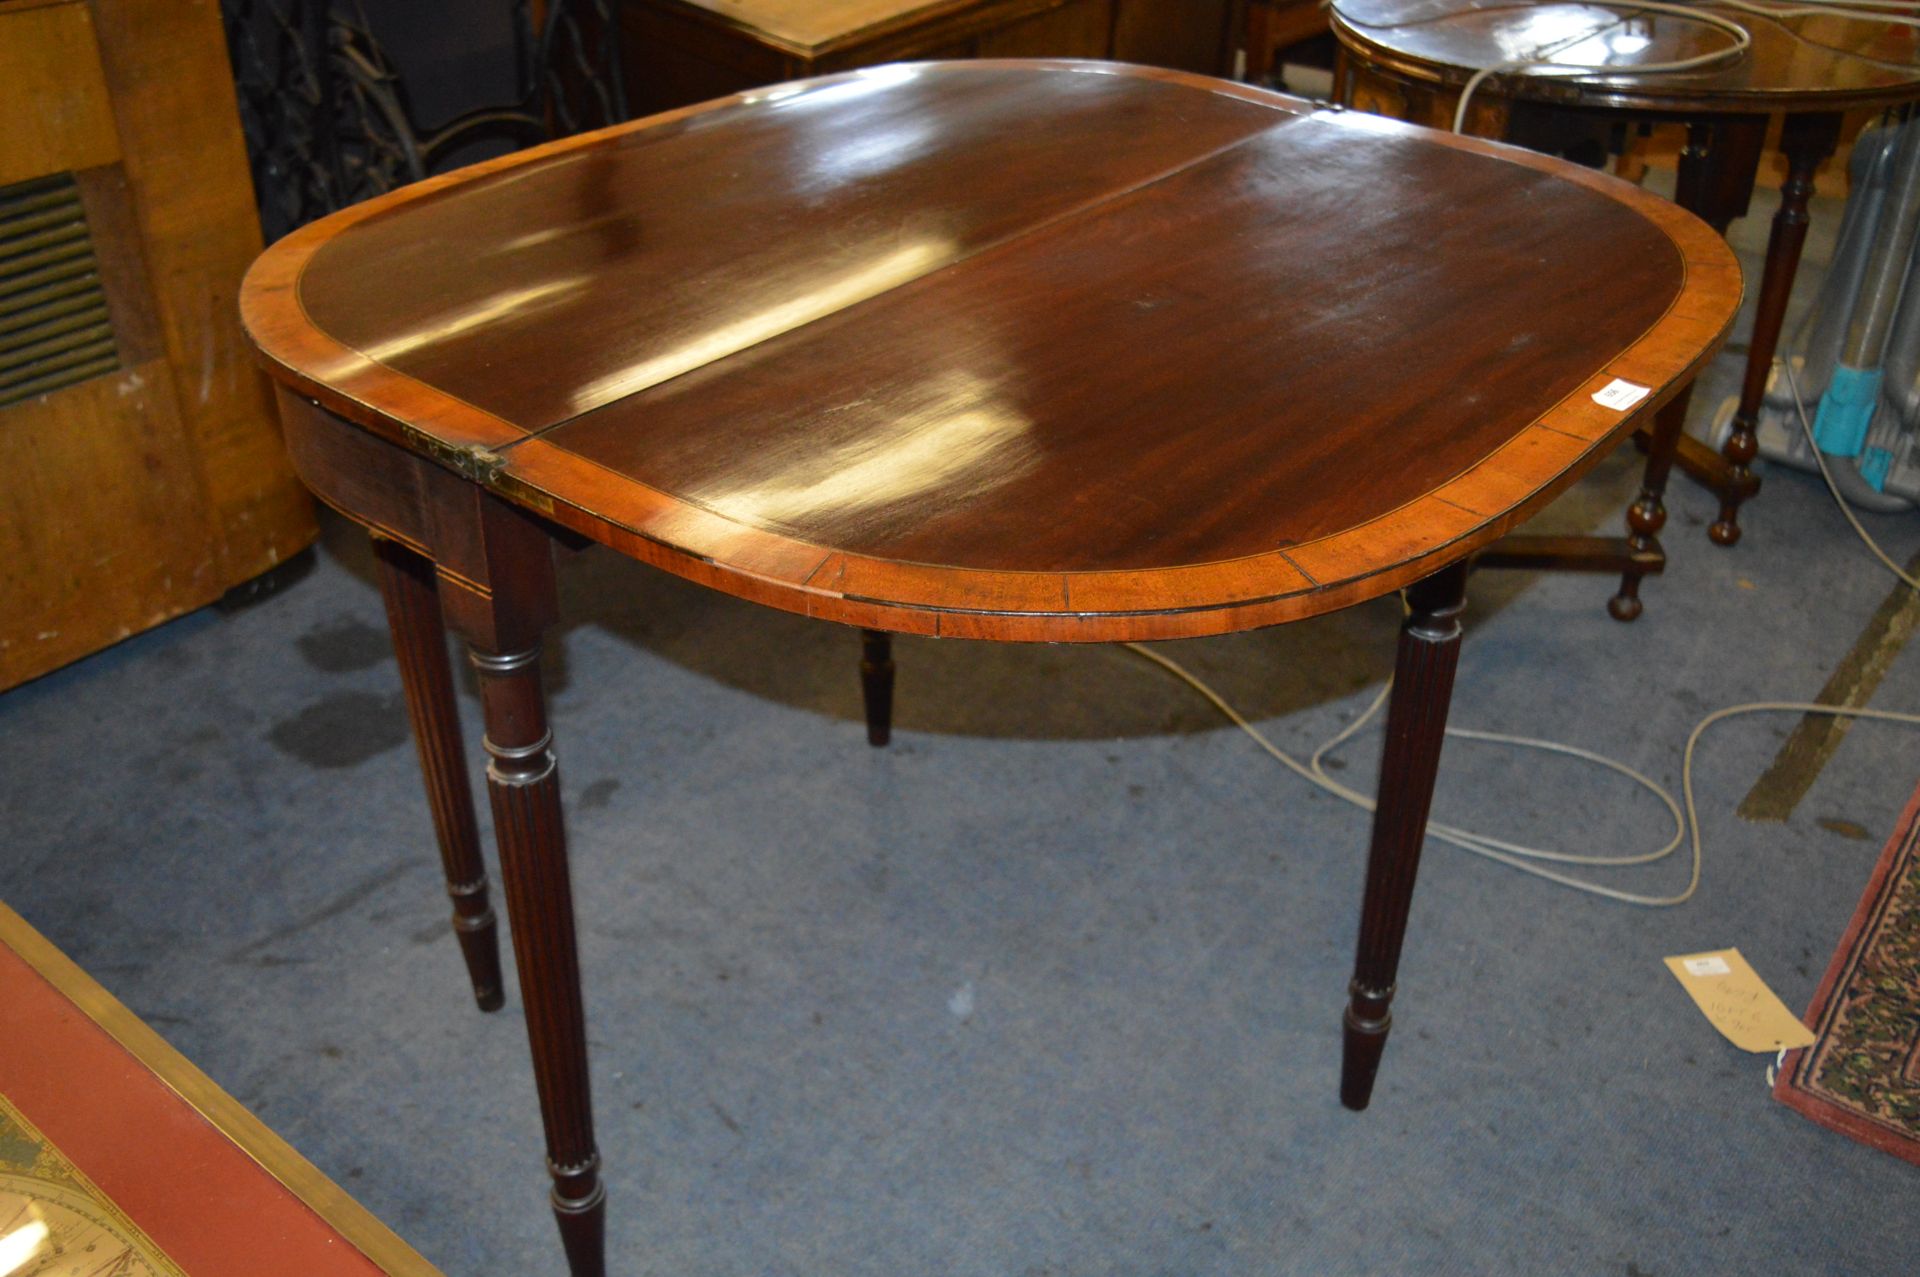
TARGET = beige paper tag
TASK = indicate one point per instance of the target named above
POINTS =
(1738, 1002)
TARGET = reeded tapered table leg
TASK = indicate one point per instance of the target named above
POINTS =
(1416, 725)
(1805, 140)
(523, 781)
(876, 684)
(407, 583)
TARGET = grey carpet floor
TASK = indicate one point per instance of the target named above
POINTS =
(1050, 988)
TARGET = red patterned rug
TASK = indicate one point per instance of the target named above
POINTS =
(1862, 1076)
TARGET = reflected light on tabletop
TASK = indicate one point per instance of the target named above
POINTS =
(1624, 44)
(857, 285)
(455, 323)
(871, 152)
(857, 85)
(1558, 33)
(959, 441)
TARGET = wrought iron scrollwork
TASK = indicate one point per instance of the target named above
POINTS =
(569, 79)
(572, 71)
(325, 114)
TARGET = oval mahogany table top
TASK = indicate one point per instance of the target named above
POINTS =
(1822, 62)
(1019, 350)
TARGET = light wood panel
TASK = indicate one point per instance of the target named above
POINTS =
(150, 490)
(53, 93)
(103, 529)
(184, 157)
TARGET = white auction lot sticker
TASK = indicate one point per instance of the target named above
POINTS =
(1620, 393)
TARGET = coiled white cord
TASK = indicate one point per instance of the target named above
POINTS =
(1513, 855)
(1528, 859)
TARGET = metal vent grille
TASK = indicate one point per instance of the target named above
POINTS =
(54, 326)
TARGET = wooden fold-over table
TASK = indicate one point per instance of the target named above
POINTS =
(1412, 57)
(1052, 352)
(119, 1158)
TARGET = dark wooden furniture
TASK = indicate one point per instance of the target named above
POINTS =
(148, 476)
(684, 51)
(1043, 352)
(1410, 58)
(1273, 25)
(136, 1163)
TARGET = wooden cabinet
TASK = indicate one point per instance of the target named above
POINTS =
(145, 470)
(684, 51)
(1273, 25)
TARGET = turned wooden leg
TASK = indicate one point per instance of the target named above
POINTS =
(1715, 182)
(1805, 140)
(1416, 725)
(420, 645)
(876, 684)
(524, 783)
(1648, 513)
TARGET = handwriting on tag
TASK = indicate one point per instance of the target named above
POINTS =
(1738, 1002)
(1621, 394)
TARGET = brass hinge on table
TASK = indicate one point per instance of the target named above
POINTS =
(470, 461)
(480, 464)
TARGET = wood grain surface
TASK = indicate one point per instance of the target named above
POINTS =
(150, 489)
(1821, 62)
(187, 163)
(154, 486)
(53, 93)
(1044, 351)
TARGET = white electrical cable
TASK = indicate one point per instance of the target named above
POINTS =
(1518, 856)
(1510, 854)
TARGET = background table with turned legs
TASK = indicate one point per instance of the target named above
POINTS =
(1412, 58)
(1026, 352)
